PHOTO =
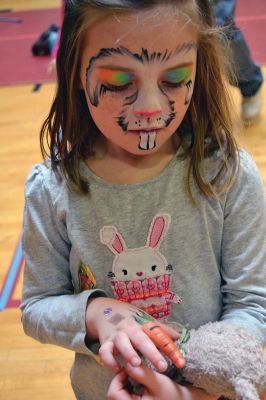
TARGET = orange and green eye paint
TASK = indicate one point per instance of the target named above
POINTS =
(116, 78)
(179, 74)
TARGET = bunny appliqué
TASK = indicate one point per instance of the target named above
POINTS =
(142, 276)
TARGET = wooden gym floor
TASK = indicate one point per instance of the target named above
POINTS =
(29, 370)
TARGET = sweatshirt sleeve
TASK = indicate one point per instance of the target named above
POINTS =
(244, 251)
(51, 311)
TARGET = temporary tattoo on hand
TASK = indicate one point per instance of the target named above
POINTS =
(116, 319)
(142, 317)
(107, 310)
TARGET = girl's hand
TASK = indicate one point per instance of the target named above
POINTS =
(115, 324)
(156, 387)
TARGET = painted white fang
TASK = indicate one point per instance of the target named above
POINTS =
(152, 143)
(147, 140)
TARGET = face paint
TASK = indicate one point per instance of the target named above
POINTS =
(147, 140)
(178, 75)
(147, 123)
(115, 78)
(136, 90)
(118, 80)
(188, 98)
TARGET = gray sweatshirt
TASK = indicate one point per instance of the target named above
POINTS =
(146, 244)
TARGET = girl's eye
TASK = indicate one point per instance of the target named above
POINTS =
(115, 81)
(177, 77)
(172, 85)
(115, 88)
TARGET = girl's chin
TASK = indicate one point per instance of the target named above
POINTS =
(141, 143)
(136, 151)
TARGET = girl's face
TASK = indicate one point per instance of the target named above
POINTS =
(138, 73)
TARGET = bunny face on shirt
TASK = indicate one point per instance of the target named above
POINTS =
(138, 77)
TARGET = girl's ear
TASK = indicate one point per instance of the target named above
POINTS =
(158, 229)
(112, 239)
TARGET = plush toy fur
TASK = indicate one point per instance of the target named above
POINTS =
(222, 359)
(225, 360)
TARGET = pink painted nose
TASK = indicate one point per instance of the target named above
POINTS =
(147, 114)
(139, 273)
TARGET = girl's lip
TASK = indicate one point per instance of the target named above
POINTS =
(144, 130)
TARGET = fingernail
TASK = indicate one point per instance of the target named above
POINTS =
(135, 361)
(162, 365)
(182, 362)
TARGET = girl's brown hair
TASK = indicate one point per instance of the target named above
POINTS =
(69, 131)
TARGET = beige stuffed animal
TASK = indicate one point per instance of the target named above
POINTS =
(222, 359)
(225, 360)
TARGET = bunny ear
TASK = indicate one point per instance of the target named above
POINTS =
(158, 230)
(112, 239)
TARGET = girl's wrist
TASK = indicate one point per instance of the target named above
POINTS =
(95, 302)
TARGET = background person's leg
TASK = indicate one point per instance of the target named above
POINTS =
(248, 74)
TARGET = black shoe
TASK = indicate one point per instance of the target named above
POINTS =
(42, 46)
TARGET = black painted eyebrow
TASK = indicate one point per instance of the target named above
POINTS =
(112, 67)
(144, 56)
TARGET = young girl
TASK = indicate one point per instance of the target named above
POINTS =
(146, 206)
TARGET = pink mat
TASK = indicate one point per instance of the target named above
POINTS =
(18, 65)
(251, 19)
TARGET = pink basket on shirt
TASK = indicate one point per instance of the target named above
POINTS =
(141, 289)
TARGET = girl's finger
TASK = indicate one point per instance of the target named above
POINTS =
(106, 354)
(147, 348)
(143, 375)
(116, 389)
(125, 348)
(164, 343)
(156, 385)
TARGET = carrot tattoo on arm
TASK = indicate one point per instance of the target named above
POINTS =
(160, 338)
